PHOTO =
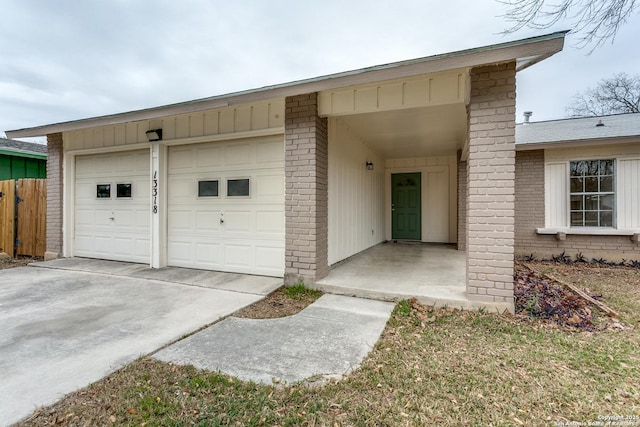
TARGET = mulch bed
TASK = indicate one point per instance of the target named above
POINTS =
(278, 304)
(17, 262)
(544, 299)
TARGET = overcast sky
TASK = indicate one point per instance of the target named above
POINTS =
(65, 60)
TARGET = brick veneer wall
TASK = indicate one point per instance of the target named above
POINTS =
(462, 203)
(306, 214)
(530, 205)
(490, 184)
(529, 197)
(54, 196)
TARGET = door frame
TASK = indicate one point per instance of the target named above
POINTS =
(449, 162)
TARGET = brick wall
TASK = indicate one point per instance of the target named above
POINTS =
(529, 197)
(306, 214)
(54, 196)
(530, 216)
(462, 203)
(490, 184)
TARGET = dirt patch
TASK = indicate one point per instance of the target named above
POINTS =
(281, 303)
(17, 262)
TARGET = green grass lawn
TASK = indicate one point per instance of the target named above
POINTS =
(431, 367)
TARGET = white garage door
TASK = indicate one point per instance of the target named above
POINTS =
(226, 206)
(112, 206)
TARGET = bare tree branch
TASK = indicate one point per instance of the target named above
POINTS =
(595, 21)
(619, 94)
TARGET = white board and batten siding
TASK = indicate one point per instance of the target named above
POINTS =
(114, 228)
(356, 195)
(627, 179)
(628, 198)
(412, 92)
(240, 119)
(243, 234)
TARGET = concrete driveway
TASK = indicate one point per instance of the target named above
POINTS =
(61, 330)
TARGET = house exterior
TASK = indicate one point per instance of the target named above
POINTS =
(577, 187)
(290, 179)
(19, 159)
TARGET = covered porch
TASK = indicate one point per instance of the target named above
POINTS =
(420, 188)
(435, 274)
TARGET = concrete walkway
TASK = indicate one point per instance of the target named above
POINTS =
(73, 321)
(328, 339)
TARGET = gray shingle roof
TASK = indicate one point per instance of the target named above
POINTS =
(22, 146)
(615, 126)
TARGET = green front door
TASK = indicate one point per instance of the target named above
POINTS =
(405, 206)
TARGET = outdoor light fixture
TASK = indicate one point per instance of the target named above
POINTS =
(369, 165)
(154, 135)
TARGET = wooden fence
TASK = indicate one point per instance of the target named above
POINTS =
(23, 217)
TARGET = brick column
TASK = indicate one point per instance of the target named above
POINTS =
(306, 151)
(54, 196)
(491, 184)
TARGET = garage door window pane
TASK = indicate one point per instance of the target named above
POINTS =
(103, 191)
(208, 188)
(237, 187)
(123, 190)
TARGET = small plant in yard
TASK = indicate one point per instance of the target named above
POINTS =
(300, 291)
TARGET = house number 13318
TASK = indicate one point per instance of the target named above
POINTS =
(154, 192)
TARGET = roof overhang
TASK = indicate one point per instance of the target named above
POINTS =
(525, 52)
(21, 153)
(577, 143)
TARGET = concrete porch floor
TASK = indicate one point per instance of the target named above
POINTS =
(434, 274)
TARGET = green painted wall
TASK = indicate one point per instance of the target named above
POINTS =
(22, 167)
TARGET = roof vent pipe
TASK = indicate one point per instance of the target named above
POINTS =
(527, 115)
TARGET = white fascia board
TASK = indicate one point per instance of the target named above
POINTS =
(578, 143)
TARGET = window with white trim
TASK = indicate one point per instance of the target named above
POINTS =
(598, 191)
(592, 193)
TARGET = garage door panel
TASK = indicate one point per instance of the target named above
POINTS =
(209, 156)
(238, 255)
(182, 190)
(103, 245)
(196, 238)
(267, 186)
(269, 152)
(181, 159)
(208, 220)
(238, 154)
(180, 220)
(269, 257)
(85, 191)
(143, 219)
(270, 222)
(208, 254)
(180, 251)
(143, 248)
(236, 220)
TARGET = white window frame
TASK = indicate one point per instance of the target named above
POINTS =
(596, 193)
(557, 197)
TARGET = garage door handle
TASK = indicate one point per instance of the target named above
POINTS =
(221, 221)
(111, 218)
